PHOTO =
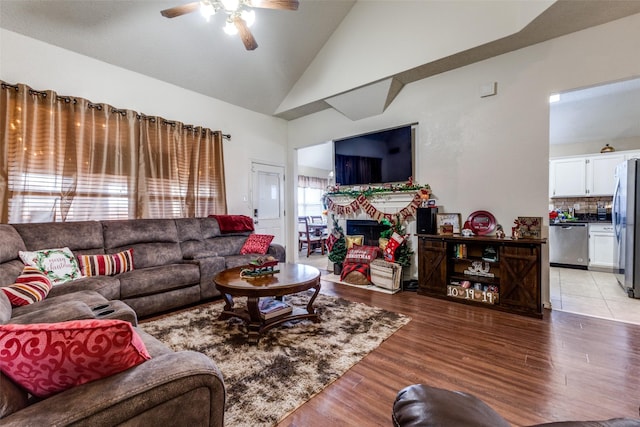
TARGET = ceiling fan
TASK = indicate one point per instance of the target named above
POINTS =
(239, 14)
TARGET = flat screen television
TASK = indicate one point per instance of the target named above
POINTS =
(375, 158)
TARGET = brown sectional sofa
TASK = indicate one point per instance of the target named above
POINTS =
(174, 259)
(174, 264)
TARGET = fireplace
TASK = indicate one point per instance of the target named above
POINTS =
(368, 228)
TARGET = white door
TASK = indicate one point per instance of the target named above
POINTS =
(267, 195)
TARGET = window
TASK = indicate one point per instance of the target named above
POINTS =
(71, 160)
(310, 201)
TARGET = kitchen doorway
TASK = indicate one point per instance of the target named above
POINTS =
(583, 122)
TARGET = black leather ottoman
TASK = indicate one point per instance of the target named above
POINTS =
(422, 405)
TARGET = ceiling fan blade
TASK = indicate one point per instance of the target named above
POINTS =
(245, 34)
(180, 10)
(275, 4)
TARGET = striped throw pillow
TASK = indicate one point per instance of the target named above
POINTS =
(31, 286)
(106, 265)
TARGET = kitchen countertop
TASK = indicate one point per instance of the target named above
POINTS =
(581, 222)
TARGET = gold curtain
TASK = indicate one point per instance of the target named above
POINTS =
(67, 159)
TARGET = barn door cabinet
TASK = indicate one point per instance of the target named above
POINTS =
(501, 274)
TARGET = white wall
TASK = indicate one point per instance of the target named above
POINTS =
(409, 27)
(593, 147)
(492, 153)
(253, 136)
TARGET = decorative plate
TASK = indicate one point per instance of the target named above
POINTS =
(482, 222)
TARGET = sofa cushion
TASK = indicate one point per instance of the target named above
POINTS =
(209, 228)
(10, 270)
(79, 236)
(188, 229)
(226, 245)
(50, 357)
(106, 265)
(59, 264)
(11, 243)
(256, 244)
(107, 286)
(155, 280)
(54, 303)
(5, 308)
(12, 397)
(31, 286)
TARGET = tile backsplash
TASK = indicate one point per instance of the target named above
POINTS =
(582, 205)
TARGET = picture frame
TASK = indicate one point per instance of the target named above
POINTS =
(530, 227)
(448, 223)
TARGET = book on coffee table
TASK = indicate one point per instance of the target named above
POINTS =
(271, 307)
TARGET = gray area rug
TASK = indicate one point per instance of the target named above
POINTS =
(290, 364)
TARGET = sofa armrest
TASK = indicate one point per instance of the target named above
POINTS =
(277, 251)
(209, 267)
(185, 386)
(67, 310)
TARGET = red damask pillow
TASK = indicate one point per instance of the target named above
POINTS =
(256, 244)
(31, 286)
(106, 265)
(47, 358)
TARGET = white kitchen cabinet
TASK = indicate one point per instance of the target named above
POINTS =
(601, 246)
(584, 176)
(569, 177)
(635, 154)
(601, 173)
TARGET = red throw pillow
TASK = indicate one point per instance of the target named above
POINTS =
(362, 254)
(106, 265)
(46, 358)
(256, 244)
(31, 286)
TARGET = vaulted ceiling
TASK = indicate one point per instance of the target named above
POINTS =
(326, 54)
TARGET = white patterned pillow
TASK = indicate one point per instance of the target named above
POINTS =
(60, 265)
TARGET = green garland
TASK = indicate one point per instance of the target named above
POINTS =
(373, 191)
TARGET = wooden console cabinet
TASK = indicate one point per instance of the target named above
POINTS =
(501, 274)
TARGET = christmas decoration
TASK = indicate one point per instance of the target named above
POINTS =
(361, 200)
(338, 250)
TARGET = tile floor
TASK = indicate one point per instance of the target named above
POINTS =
(592, 293)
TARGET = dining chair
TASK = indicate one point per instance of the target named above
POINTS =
(316, 219)
(308, 238)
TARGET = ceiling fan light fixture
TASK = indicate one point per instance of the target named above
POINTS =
(230, 5)
(206, 10)
(230, 28)
(249, 17)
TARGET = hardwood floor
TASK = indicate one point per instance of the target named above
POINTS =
(563, 367)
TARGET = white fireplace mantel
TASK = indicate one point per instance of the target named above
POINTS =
(388, 203)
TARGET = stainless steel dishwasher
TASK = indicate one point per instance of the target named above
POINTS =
(569, 244)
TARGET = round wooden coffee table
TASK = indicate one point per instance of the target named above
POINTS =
(290, 279)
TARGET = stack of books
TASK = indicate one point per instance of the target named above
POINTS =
(271, 307)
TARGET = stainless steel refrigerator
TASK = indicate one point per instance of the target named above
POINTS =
(626, 208)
